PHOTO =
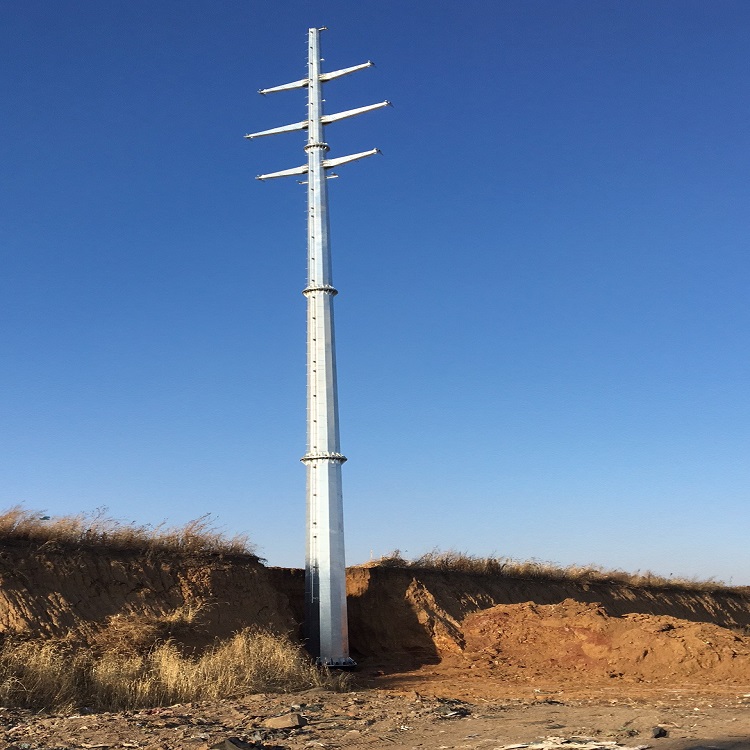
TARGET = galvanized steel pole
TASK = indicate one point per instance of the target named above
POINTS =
(325, 568)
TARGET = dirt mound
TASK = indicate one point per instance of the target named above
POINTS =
(561, 640)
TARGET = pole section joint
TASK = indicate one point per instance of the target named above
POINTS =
(326, 289)
(335, 457)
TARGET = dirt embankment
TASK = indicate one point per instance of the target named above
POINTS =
(424, 613)
(400, 619)
(53, 590)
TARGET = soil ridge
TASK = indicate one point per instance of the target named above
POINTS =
(412, 616)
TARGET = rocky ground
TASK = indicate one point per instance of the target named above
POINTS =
(378, 716)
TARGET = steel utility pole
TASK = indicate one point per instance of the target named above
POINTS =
(325, 566)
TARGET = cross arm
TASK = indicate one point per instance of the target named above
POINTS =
(283, 129)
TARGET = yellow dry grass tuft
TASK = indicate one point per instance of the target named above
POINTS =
(97, 529)
(461, 562)
(138, 632)
(62, 676)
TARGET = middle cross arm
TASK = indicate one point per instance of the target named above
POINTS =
(283, 129)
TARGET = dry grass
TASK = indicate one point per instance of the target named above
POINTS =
(141, 660)
(460, 562)
(58, 675)
(97, 529)
(139, 632)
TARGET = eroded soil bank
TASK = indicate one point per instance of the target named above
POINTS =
(53, 590)
(447, 659)
(422, 613)
(400, 619)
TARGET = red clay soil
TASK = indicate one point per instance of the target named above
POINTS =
(455, 635)
(579, 651)
(566, 640)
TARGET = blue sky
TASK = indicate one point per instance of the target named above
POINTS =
(543, 310)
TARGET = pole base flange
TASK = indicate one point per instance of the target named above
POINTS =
(346, 663)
